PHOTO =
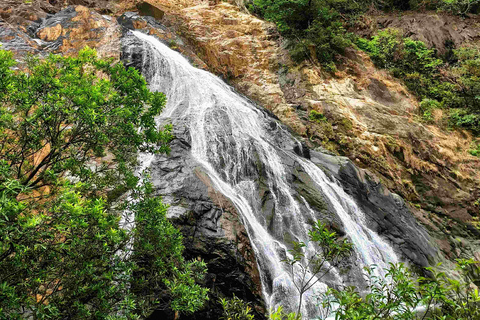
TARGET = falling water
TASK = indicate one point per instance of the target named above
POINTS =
(231, 140)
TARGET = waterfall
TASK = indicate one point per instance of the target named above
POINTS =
(232, 140)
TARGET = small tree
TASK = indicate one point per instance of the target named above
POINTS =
(65, 114)
(331, 253)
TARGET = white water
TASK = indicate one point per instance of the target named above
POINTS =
(231, 141)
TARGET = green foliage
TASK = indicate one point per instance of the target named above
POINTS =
(331, 252)
(426, 108)
(467, 73)
(408, 59)
(313, 26)
(460, 7)
(63, 251)
(463, 118)
(475, 151)
(436, 83)
(235, 309)
(317, 116)
(67, 111)
(157, 253)
(400, 296)
(279, 314)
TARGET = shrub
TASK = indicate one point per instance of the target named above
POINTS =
(235, 309)
(476, 151)
(464, 119)
(317, 116)
(314, 27)
(313, 267)
(401, 294)
(426, 108)
(460, 7)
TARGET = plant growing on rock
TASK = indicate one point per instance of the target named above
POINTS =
(235, 309)
(306, 270)
(437, 83)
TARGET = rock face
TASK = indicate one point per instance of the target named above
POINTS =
(437, 31)
(65, 32)
(23, 13)
(212, 230)
(372, 118)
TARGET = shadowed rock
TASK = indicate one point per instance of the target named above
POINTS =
(147, 9)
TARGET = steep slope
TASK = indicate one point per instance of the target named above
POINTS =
(372, 119)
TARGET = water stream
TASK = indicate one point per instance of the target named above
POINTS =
(232, 140)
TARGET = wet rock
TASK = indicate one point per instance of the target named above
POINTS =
(14, 39)
(389, 215)
(212, 231)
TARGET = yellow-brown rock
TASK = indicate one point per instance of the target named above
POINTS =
(80, 27)
(50, 33)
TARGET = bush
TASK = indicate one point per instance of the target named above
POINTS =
(467, 73)
(314, 27)
(400, 295)
(462, 118)
(460, 7)
(426, 108)
(476, 151)
(235, 309)
(408, 59)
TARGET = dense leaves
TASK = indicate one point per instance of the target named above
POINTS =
(160, 266)
(65, 112)
(235, 309)
(70, 131)
(314, 27)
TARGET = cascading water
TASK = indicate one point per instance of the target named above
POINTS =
(231, 139)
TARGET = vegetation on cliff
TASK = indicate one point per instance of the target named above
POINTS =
(449, 82)
(317, 31)
(70, 132)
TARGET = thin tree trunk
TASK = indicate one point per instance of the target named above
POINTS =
(300, 305)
